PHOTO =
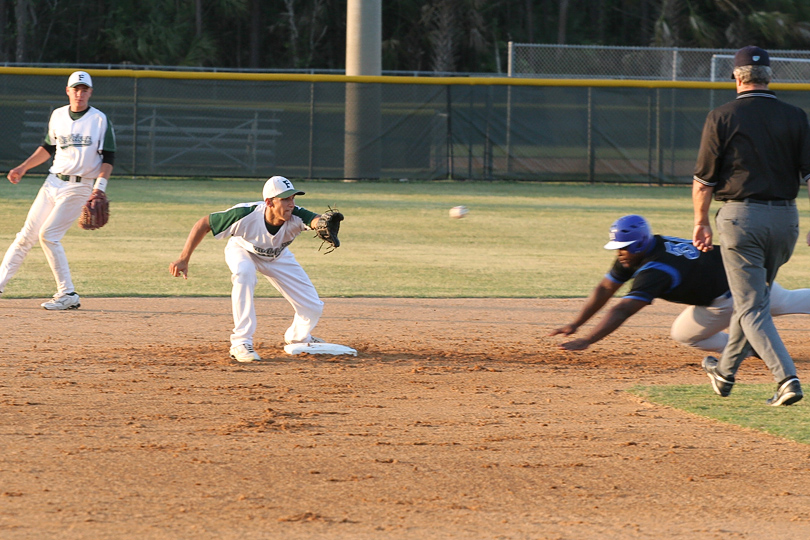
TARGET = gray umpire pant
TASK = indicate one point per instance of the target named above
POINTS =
(755, 240)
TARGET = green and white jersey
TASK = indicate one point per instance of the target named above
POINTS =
(245, 225)
(79, 142)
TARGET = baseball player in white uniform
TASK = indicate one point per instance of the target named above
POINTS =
(81, 141)
(258, 234)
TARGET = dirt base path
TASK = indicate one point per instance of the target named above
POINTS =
(457, 419)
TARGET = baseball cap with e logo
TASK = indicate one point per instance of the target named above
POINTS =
(280, 187)
(80, 77)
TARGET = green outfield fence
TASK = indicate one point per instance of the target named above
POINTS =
(186, 124)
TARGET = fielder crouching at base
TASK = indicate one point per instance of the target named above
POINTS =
(672, 269)
(258, 234)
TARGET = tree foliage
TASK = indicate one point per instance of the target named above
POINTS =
(418, 35)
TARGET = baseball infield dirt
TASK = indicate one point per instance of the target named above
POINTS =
(459, 418)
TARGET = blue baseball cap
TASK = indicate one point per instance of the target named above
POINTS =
(751, 56)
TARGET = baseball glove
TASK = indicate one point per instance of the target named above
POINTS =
(96, 211)
(328, 227)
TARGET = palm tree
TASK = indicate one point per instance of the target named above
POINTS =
(723, 24)
(454, 28)
(440, 18)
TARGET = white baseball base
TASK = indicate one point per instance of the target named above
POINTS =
(319, 348)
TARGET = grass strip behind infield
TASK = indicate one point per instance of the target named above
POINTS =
(745, 407)
(520, 239)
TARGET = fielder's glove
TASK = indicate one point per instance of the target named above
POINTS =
(96, 211)
(327, 229)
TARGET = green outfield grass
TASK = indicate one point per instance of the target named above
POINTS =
(744, 407)
(519, 240)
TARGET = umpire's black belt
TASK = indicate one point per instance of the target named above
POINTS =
(777, 202)
(69, 178)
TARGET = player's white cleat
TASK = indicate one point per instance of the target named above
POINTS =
(312, 339)
(66, 301)
(245, 353)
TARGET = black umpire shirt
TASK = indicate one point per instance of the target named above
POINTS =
(754, 147)
(675, 271)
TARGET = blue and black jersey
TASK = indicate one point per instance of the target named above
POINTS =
(676, 271)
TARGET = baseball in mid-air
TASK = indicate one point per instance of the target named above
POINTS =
(458, 212)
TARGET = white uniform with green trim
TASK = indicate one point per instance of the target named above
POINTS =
(59, 203)
(251, 248)
(79, 142)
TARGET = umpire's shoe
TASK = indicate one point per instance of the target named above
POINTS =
(66, 301)
(722, 385)
(245, 353)
(788, 392)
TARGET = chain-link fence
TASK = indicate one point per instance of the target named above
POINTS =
(655, 63)
(218, 125)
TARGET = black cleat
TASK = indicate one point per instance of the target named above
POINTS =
(722, 385)
(787, 393)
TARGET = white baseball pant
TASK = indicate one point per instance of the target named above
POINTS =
(287, 276)
(57, 206)
(703, 327)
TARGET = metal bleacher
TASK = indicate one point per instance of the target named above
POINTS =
(177, 139)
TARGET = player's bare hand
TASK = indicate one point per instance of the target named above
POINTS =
(179, 268)
(702, 238)
(15, 175)
(575, 345)
(566, 330)
(808, 238)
